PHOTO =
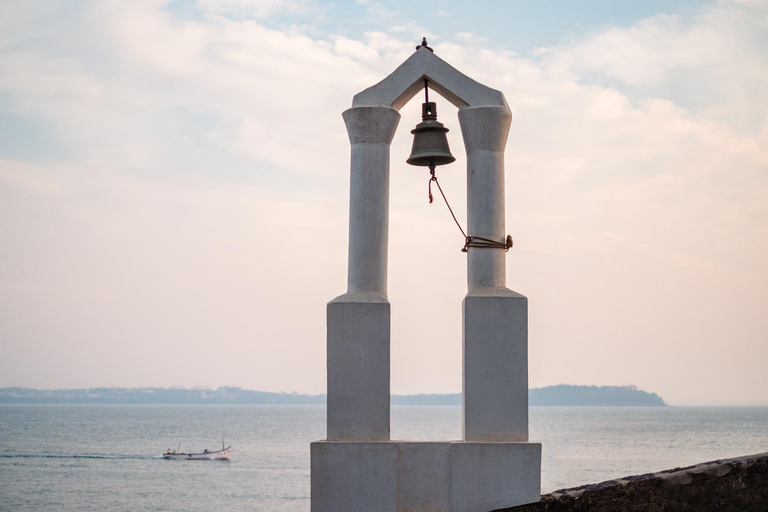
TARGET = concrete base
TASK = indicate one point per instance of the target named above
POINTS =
(495, 391)
(486, 476)
(358, 368)
(401, 476)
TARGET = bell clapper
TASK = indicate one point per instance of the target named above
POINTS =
(433, 178)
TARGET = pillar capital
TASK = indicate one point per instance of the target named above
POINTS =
(485, 127)
(375, 125)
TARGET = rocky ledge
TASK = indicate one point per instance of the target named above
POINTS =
(739, 484)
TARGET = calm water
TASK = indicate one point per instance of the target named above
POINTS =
(69, 457)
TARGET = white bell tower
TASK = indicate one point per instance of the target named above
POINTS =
(358, 468)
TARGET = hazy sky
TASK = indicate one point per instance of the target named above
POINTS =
(174, 190)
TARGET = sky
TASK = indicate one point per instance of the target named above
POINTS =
(174, 188)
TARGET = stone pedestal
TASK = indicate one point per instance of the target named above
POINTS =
(495, 383)
(350, 477)
(358, 368)
(401, 476)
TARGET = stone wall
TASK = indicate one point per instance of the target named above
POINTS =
(739, 484)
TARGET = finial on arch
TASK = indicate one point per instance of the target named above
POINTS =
(424, 44)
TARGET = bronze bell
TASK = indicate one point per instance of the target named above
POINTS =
(430, 145)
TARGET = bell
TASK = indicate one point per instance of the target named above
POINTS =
(430, 145)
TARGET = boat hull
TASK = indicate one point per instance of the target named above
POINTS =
(219, 455)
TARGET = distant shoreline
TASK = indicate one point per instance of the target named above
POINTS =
(559, 395)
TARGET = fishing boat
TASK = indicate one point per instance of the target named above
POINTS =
(222, 454)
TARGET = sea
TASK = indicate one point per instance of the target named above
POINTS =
(108, 457)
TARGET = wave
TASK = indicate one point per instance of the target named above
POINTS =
(75, 456)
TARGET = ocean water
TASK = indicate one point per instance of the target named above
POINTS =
(106, 457)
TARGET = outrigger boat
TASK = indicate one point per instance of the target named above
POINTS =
(222, 454)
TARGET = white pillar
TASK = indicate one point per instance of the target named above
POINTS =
(370, 132)
(485, 131)
(359, 321)
(495, 319)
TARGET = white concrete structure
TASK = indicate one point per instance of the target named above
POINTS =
(358, 468)
(419, 476)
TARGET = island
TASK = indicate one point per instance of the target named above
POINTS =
(559, 395)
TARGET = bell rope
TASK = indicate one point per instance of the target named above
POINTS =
(477, 242)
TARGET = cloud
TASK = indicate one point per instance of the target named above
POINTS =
(469, 39)
(209, 161)
(257, 9)
(30, 179)
(714, 63)
(234, 80)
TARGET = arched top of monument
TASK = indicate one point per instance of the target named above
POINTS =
(408, 79)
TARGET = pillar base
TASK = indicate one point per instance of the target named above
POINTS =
(495, 385)
(358, 368)
(402, 476)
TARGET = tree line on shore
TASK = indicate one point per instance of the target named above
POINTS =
(559, 395)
